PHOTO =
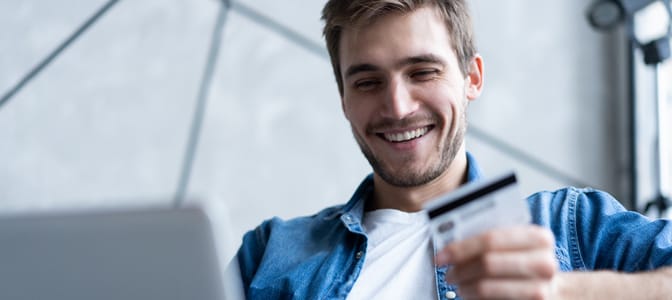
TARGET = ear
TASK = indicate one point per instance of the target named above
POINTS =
(474, 80)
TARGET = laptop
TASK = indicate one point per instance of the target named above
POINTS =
(124, 254)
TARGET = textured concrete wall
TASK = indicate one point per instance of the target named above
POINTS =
(106, 124)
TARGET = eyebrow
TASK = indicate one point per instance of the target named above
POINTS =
(424, 58)
(418, 59)
(359, 68)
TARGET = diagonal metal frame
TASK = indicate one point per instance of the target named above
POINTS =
(201, 103)
(37, 69)
(280, 29)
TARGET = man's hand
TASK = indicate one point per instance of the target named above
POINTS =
(510, 263)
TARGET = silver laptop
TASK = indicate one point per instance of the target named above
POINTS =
(131, 255)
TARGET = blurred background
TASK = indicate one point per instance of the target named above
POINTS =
(234, 105)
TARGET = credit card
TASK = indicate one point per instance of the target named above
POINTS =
(475, 208)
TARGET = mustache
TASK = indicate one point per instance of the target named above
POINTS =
(385, 124)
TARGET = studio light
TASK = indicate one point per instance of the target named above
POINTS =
(606, 14)
(648, 24)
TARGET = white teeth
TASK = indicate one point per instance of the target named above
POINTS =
(407, 135)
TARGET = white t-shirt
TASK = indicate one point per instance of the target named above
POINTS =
(399, 257)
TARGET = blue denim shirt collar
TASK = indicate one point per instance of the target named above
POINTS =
(353, 211)
(473, 170)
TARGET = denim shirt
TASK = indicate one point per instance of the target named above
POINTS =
(320, 256)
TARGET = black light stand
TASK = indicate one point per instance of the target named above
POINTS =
(655, 52)
(662, 200)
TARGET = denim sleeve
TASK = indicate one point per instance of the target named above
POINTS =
(611, 237)
(251, 252)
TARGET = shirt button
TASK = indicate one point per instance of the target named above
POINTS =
(359, 254)
(347, 218)
(451, 295)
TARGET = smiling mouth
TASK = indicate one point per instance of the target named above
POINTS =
(405, 136)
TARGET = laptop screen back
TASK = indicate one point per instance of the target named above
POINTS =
(152, 254)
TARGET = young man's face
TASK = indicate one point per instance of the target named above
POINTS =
(405, 96)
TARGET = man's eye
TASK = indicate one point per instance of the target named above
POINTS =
(425, 74)
(366, 85)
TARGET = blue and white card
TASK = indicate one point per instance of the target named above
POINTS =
(475, 208)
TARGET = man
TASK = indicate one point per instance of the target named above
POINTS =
(406, 71)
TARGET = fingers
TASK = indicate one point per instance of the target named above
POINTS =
(509, 263)
(529, 264)
(507, 239)
(507, 289)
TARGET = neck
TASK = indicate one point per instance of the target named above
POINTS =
(411, 199)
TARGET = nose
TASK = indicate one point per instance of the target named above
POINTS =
(399, 101)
